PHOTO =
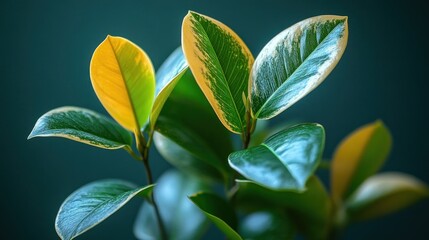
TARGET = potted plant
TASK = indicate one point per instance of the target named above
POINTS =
(205, 110)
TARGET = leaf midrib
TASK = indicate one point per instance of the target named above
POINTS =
(347, 191)
(294, 71)
(223, 72)
(283, 164)
(126, 87)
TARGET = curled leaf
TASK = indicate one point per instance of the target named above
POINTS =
(285, 160)
(167, 77)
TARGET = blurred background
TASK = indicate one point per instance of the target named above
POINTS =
(46, 47)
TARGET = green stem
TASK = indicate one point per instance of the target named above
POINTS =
(143, 148)
(250, 127)
(245, 138)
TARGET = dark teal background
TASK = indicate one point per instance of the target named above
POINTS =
(46, 47)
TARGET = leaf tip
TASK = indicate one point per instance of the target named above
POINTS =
(194, 195)
(36, 130)
(381, 125)
(31, 135)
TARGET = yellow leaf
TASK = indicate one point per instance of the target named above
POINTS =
(124, 80)
(357, 157)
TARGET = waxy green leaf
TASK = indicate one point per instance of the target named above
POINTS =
(266, 225)
(285, 160)
(221, 63)
(167, 77)
(219, 212)
(186, 150)
(177, 211)
(310, 209)
(93, 203)
(82, 125)
(295, 62)
(124, 80)
(357, 157)
(383, 194)
(263, 130)
(183, 138)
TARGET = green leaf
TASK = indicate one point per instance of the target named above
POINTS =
(93, 203)
(383, 194)
(310, 210)
(183, 137)
(358, 156)
(82, 125)
(124, 80)
(187, 89)
(185, 101)
(285, 160)
(186, 150)
(263, 130)
(295, 62)
(167, 77)
(175, 208)
(266, 225)
(219, 212)
(221, 63)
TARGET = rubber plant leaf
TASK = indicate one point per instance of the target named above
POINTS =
(82, 125)
(221, 63)
(219, 212)
(93, 203)
(385, 193)
(202, 150)
(295, 62)
(123, 78)
(357, 157)
(167, 77)
(187, 150)
(285, 160)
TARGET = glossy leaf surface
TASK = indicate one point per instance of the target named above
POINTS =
(93, 203)
(219, 212)
(266, 225)
(310, 209)
(186, 150)
(177, 211)
(295, 62)
(263, 130)
(285, 160)
(383, 194)
(221, 63)
(167, 77)
(82, 125)
(183, 138)
(123, 78)
(357, 157)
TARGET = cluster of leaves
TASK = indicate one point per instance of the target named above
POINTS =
(207, 88)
